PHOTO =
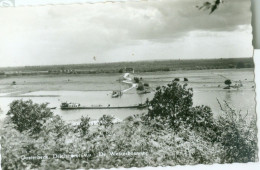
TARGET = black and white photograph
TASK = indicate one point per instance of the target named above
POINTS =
(143, 83)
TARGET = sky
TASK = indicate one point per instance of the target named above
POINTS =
(124, 31)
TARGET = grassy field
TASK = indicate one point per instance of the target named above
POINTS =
(140, 66)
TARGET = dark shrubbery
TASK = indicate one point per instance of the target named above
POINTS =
(140, 86)
(174, 132)
(228, 82)
(136, 80)
(176, 79)
(28, 116)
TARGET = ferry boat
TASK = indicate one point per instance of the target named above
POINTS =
(74, 106)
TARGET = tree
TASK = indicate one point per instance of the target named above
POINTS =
(106, 121)
(84, 125)
(228, 82)
(121, 70)
(28, 116)
(172, 102)
(176, 79)
(140, 86)
(136, 80)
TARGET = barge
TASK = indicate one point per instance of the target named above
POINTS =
(75, 106)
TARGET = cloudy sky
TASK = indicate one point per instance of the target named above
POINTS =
(129, 31)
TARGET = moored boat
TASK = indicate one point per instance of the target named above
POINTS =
(73, 106)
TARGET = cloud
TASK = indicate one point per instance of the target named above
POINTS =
(75, 33)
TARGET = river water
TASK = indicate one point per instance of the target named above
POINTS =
(207, 88)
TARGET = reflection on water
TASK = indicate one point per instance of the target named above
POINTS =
(207, 85)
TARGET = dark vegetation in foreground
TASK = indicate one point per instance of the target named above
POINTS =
(173, 132)
(139, 66)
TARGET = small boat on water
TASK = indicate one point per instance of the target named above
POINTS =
(116, 94)
(74, 106)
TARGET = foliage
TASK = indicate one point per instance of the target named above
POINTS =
(140, 66)
(28, 116)
(84, 125)
(185, 79)
(136, 80)
(140, 86)
(146, 84)
(240, 65)
(237, 135)
(176, 79)
(106, 121)
(14, 83)
(121, 70)
(172, 102)
(228, 82)
(172, 133)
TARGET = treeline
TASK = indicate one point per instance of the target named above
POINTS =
(173, 132)
(140, 66)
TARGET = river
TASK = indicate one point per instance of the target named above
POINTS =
(207, 88)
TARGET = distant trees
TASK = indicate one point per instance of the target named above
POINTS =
(240, 65)
(121, 70)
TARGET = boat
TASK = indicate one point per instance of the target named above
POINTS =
(116, 94)
(73, 106)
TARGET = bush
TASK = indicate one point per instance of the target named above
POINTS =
(146, 84)
(228, 82)
(140, 86)
(136, 80)
(84, 125)
(176, 79)
(172, 133)
(28, 116)
(172, 102)
(238, 136)
(106, 121)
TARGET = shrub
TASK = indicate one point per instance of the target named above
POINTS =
(121, 70)
(238, 136)
(172, 102)
(136, 80)
(185, 79)
(84, 125)
(106, 121)
(140, 86)
(28, 116)
(146, 84)
(228, 82)
(176, 79)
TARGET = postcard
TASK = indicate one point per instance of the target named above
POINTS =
(127, 84)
